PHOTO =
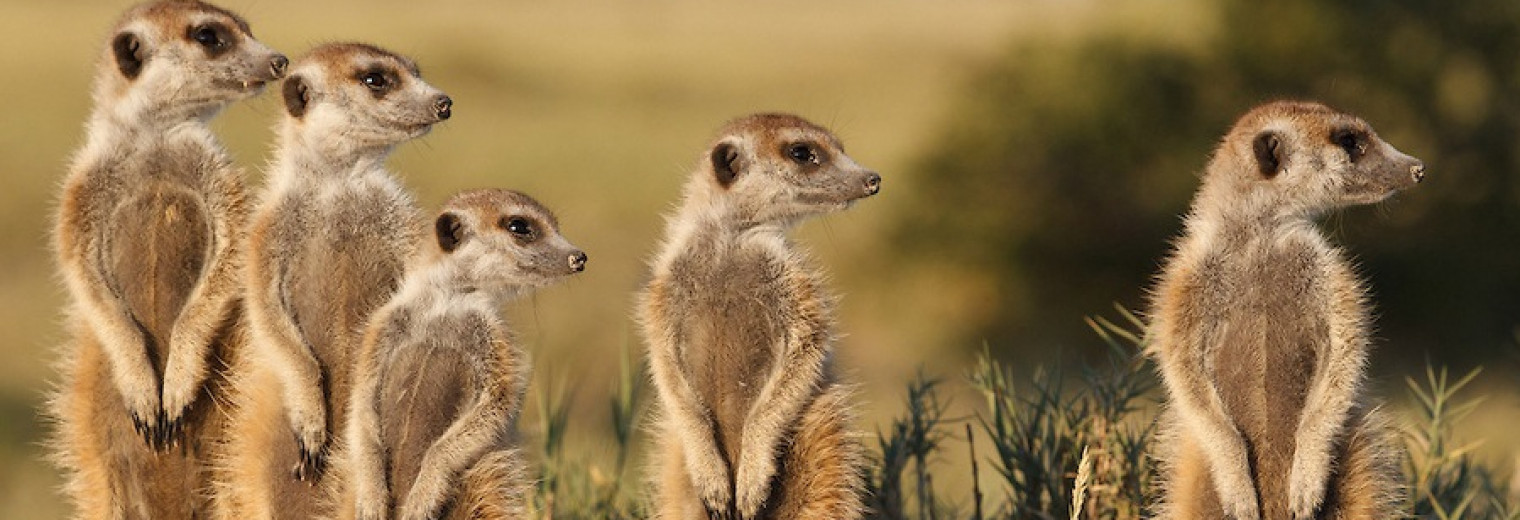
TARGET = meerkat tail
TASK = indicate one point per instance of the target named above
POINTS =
(824, 477)
(1366, 485)
(496, 487)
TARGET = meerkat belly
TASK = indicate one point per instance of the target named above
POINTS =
(1266, 362)
(423, 390)
(345, 270)
(735, 349)
(157, 243)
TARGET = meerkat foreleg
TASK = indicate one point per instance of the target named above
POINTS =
(297, 368)
(692, 422)
(1204, 416)
(366, 472)
(205, 310)
(466, 440)
(781, 400)
(122, 338)
(1327, 407)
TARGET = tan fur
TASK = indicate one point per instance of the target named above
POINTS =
(148, 230)
(327, 246)
(439, 380)
(740, 331)
(1257, 319)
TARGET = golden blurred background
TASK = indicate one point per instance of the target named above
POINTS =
(599, 109)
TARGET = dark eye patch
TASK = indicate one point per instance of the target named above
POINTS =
(214, 37)
(519, 227)
(803, 153)
(1353, 141)
(379, 80)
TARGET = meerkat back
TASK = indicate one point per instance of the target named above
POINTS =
(328, 245)
(148, 229)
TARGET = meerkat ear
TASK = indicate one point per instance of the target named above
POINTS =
(726, 164)
(1269, 153)
(451, 233)
(297, 96)
(129, 54)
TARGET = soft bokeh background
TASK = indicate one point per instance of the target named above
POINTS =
(1036, 156)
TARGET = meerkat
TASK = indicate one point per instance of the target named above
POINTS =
(439, 380)
(147, 235)
(740, 330)
(327, 246)
(1260, 327)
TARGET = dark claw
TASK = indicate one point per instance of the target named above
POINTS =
(174, 432)
(309, 469)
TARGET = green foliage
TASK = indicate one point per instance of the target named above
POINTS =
(1067, 166)
(1444, 481)
(910, 439)
(1077, 448)
(579, 488)
(1048, 436)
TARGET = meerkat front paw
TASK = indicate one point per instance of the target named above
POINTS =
(183, 381)
(1307, 480)
(709, 478)
(313, 455)
(311, 441)
(1237, 495)
(426, 501)
(369, 509)
(753, 484)
(147, 419)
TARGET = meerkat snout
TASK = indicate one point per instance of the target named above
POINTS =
(278, 64)
(578, 261)
(443, 106)
(1418, 172)
(873, 184)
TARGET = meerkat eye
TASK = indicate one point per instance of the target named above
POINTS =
(518, 226)
(207, 36)
(802, 153)
(374, 80)
(1351, 141)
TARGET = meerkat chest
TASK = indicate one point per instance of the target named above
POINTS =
(742, 307)
(157, 238)
(425, 388)
(350, 249)
(1271, 331)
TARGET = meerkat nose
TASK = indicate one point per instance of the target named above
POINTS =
(278, 64)
(873, 183)
(442, 106)
(578, 261)
(1418, 172)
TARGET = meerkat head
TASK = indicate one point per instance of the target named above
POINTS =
(367, 95)
(187, 58)
(1309, 158)
(504, 240)
(780, 168)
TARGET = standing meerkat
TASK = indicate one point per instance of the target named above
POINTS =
(327, 247)
(439, 380)
(1260, 326)
(740, 333)
(147, 235)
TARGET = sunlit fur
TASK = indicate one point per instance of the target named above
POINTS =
(1261, 329)
(329, 241)
(148, 230)
(752, 423)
